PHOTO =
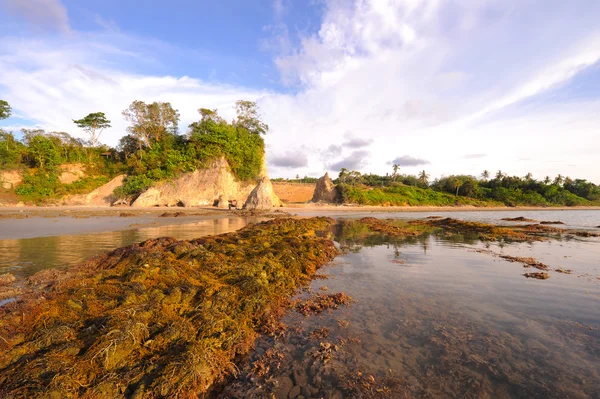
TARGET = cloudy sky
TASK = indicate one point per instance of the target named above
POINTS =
(449, 86)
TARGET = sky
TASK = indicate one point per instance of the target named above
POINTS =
(445, 86)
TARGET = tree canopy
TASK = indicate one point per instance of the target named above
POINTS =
(151, 122)
(93, 125)
(249, 118)
(5, 110)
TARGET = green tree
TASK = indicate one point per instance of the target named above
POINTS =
(5, 110)
(93, 125)
(151, 122)
(343, 175)
(485, 175)
(42, 152)
(547, 180)
(10, 149)
(249, 118)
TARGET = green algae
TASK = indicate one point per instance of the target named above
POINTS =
(163, 318)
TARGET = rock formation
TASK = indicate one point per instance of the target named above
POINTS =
(202, 187)
(263, 197)
(325, 190)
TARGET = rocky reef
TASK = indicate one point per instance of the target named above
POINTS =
(163, 318)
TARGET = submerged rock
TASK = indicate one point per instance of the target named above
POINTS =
(325, 190)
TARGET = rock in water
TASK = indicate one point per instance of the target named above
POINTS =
(325, 190)
(263, 196)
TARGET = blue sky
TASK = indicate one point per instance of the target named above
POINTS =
(454, 86)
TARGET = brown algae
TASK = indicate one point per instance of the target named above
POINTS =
(163, 318)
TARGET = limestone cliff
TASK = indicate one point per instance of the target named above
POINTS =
(203, 187)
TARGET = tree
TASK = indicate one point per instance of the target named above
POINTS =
(558, 180)
(93, 125)
(42, 152)
(423, 177)
(547, 180)
(5, 110)
(529, 176)
(151, 122)
(499, 175)
(249, 118)
(208, 116)
(485, 175)
(457, 184)
(343, 175)
(396, 167)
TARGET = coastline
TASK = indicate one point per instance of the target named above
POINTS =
(71, 210)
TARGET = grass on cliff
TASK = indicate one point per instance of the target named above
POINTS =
(163, 318)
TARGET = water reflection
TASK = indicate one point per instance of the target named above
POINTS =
(24, 257)
(433, 318)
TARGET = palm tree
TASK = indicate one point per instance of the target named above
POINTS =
(547, 180)
(485, 175)
(423, 177)
(558, 180)
(528, 176)
(499, 175)
(457, 184)
(396, 167)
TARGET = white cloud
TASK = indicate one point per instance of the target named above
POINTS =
(53, 83)
(427, 77)
(42, 14)
(430, 77)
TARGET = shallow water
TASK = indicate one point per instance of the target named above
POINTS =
(26, 256)
(577, 219)
(435, 318)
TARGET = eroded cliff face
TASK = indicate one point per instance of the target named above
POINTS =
(203, 187)
(102, 196)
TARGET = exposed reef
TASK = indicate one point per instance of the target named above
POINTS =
(163, 318)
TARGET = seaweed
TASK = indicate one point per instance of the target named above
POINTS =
(163, 318)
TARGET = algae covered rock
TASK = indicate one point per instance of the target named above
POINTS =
(263, 196)
(325, 190)
(163, 318)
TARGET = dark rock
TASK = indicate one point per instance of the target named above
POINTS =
(300, 377)
(283, 387)
(294, 392)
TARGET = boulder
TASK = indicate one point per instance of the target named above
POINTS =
(263, 196)
(325, 190)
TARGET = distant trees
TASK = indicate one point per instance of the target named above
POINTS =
(151, 122)
(93, 125)
(485, 175)
(5, 110)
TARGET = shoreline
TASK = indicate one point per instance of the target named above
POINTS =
(292, 207)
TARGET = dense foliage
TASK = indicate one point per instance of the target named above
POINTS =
(152, 151)
(399, 189)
